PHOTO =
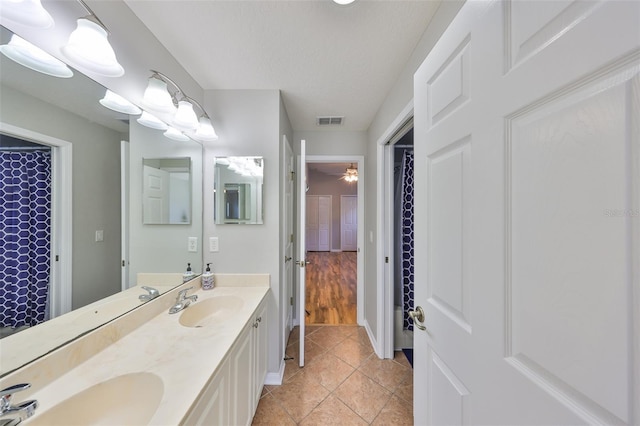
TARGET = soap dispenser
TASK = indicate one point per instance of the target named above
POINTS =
(207, 278)
(188, 275)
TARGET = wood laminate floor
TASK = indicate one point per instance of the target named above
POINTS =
(331, 288)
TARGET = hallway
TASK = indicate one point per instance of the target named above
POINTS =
(342, 383)
(331, 288)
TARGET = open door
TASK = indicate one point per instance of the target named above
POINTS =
(302, 247)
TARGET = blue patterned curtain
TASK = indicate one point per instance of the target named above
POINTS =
(407, 236)
(25, 223)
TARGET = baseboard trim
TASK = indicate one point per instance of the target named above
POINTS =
(373, 341)
(275, 379)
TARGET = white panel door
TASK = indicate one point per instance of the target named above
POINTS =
(313, 223)
(527, 169)
(155, 195)
(302, 252)
(324, 223)
(348, 222)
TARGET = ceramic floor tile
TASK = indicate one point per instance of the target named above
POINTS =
(401, 358)
(352, 352)
(363, 395)
(300, 396)
(405, 389)
(329, 370)
(332, 411)
(397, 412)
(360, 334)
(269, 412)
(328, 336)
(385, 372)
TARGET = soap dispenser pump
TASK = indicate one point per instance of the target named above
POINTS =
(207, 278)
(188, 275)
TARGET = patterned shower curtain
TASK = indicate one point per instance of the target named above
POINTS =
(25, 223)
(406, 177)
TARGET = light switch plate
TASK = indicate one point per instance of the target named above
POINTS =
(99, 236)
(213, 245)
(193, 244)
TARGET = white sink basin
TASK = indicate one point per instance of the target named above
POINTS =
(211, 311)
(130, 399)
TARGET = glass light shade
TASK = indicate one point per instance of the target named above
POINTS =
(117, 103)
(185, 118)
(343, 2)
(151, 121)
(89, 50)
(157, 98)
(176, 135)
(26, 12)
(205, 132)
(30, 56)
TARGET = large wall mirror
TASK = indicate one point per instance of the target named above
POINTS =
(166, 191)
(108, 245)
(238, 186)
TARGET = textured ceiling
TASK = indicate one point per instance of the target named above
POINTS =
(326, 59)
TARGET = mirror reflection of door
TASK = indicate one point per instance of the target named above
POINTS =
(156, 195)
(232, 202)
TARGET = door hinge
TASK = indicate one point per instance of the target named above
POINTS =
(123, 264)
(386, 259)
(291, 300)
(293, 175)
(57, 257)
(291, 238)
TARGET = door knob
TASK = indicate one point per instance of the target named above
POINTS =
(300, 262)
(417, 316)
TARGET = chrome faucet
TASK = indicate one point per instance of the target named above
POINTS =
(14, 414)
(153, 293)
(182, 301)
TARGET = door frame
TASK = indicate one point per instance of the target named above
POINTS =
(384, 245)
(61, 215)
(359, 160)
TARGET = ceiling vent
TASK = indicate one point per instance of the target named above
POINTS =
(329, 120)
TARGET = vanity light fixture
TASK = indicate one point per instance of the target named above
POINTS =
(88, 48)
(26, 54)
(343, 2)
(159, 100)
(117, 103)
(26, 12)
(149, 120)
(176, 135)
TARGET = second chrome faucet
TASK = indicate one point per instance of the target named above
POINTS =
(182, 301)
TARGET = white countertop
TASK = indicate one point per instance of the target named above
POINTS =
(183, 357)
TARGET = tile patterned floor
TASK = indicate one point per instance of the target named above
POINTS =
(343, 383)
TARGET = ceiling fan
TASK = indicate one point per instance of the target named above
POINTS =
(351, 174)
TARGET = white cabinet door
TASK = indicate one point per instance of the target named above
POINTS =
(212, 407)
(260, 352)
(242, 379)
(527, 227)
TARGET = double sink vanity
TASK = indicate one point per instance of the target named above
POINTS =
(204, 364)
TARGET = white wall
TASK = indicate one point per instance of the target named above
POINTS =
(399, 98)
(161, 248)
(248, 124)
(96, 189)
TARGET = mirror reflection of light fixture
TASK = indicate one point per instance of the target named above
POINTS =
(149, 120)
(176, 135)
(117, 103)
(26, 12)
(351, 174)
(159, 100)
(89, 50)
(26, 54)
(343, 2)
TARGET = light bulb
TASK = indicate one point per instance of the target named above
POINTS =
(157, 98)
(26, 12)
(151, 121)
(185, 118)
(205, 132)
(89, 50)
(30, 56)
(117, 103)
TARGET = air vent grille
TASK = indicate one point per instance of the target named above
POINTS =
(329, 120)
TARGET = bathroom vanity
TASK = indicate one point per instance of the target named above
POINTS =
(203, 365)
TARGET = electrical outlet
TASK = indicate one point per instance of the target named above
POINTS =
(193, 244)
(213, 245)
(99, 236)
